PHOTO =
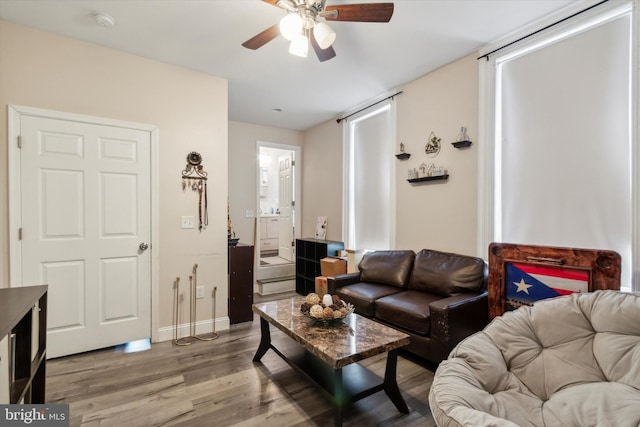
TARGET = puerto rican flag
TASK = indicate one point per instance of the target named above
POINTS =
(527, 283)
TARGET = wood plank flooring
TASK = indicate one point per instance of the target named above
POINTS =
(215, 383)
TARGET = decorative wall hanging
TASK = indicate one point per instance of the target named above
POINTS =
(321, 228)
(590, 269)
(194, 177)
(402, 155)
(433, 145)
(463, 139)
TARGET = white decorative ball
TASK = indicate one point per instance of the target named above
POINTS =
(313, 298)
(317, 311)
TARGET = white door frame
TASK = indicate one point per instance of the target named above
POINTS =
(297, 171)
(16, 112)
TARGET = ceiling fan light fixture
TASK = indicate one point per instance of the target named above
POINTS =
(324, 34)
(299, 46)
(291, 26)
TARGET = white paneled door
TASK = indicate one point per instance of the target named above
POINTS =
(285, 207)
(86, 229)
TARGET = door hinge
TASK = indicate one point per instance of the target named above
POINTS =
(293, 203)
(19, 141)
(20, 233)
(293, 162)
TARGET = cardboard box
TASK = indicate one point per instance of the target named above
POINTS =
(331, 267)
(321, 286)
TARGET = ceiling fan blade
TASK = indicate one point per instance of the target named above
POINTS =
(365, 12)
(323, 54)
(273, 2)
(263, 38)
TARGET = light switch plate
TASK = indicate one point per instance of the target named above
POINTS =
(188, 222)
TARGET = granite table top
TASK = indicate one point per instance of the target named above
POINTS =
(337, 344)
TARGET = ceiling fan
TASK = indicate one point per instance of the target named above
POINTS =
(305, 24)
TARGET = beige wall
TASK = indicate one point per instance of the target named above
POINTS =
(439, 215)
(190, 109)
(443, 214)
(243, 164)
(322, 179)
(46, 71)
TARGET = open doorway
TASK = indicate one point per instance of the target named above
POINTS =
(278, 219)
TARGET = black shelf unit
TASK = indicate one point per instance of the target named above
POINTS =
(240, 269)
(23, 322)
(309, 252)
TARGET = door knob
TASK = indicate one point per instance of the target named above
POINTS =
(143, 246)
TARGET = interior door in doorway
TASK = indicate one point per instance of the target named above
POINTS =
(286, 207)
(86, 228)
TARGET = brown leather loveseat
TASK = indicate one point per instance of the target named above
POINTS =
(437, 298)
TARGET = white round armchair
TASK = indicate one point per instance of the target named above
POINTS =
(568, 361)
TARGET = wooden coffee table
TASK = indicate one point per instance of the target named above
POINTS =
(326, 354)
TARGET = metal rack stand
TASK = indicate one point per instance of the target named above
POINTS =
(188, 340)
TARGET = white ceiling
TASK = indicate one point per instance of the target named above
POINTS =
(206, 35)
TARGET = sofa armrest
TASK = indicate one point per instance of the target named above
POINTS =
(342, 280)
(455, 318)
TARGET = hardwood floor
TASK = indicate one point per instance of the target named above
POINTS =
(215, 383)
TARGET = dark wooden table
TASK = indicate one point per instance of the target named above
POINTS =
(327, 353)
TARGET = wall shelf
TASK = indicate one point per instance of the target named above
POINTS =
(429, 178)
(461, 144)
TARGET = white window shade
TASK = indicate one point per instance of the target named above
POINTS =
(369, 183)
(563, 144)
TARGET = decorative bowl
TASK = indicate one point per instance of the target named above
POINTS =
(327, 322)
(318, 311)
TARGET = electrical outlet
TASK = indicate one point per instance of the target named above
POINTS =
(199, 291)
(188, 222)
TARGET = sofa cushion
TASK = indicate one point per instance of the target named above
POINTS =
(387, 267)
(567, 361)
(363, 295)
(594, 404)
(408, 310)
(446, 274)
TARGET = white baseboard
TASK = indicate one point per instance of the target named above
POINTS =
(203, 327)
